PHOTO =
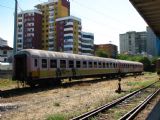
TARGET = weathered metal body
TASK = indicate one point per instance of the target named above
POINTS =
(39, 66)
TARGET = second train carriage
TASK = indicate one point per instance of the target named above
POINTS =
(39, 66)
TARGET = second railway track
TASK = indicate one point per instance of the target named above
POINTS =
(120, 103)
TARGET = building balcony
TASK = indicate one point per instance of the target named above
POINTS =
(89, 49)
(68, 29)
(69, 51)
(51, 48)
(68, 46)
(51, 37)
(68, 40)
(50, 43)
(69, 23)
(69, 34)
(89, 44)
(89, 39)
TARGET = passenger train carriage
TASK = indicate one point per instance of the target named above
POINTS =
(39, 66)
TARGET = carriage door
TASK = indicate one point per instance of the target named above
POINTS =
(36, 68)
(20, 65)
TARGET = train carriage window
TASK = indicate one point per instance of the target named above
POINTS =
(107, 65)
(95, 64)
(35, 62)
(110, 65)
(53, 63)
(104, 65)
(44, 63)
(78, 64)
(84, 64)
(90, 65)
(99, 64)
(62, 63)
(113, 65)
(71, 64)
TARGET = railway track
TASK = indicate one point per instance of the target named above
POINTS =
(134, 112)
(119, 101)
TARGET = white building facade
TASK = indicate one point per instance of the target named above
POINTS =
(87, 43)
(133, 43)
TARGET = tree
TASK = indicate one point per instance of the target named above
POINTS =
(101, 53)
(146, 63)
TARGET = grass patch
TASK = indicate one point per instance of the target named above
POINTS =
(56, 117)
(6, 82)
(139, 83)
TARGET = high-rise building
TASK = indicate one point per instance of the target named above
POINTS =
(52, 10)
(29, 29)
(68, 34)
(87, 43)
(153, 43)
(133, 42)
(57, 30)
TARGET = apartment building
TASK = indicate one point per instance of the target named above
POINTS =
(133, 42)
(68, 34)
(56, 30)
(153, 43)
(29, 29)
(87, 43)
(52, 10)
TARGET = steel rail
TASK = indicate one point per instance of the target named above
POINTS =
(109, 105)
(134, 112)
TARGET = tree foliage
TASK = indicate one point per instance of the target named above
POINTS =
(101, 53)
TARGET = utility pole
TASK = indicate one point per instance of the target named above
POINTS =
(15, 30)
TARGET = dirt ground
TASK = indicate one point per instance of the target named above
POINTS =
(68, 101)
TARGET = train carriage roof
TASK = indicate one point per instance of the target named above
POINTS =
(60, 55)
(129, 62)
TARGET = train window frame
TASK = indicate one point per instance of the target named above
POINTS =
(103, 65)
(99, 64)
(78, 65)
(110, 64)
(44, 63)
(53, 63)
(62, 65)
(70, 65)
(35, 62)
(90, 64)
(107, 65)
(95, 64)
(113, 65)
(84, 65)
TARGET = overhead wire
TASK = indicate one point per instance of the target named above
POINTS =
(103, 14)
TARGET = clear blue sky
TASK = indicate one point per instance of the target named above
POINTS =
(105, 18)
